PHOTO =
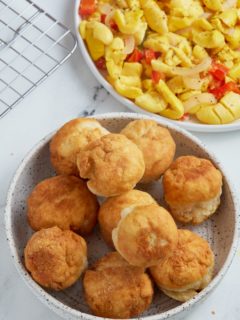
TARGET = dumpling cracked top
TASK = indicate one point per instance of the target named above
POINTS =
(110, 210)
(192, 189)
(145, 235)
(156, 143)
(176, 58)
(113, 164)
(72, 137)
(188, 270)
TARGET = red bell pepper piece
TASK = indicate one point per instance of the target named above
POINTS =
(103, 18)
(101, 63)
(149, 55)
(218, 71)
(184, 117)
(113, 25)
(225, 88)
(214, 84)
(136, 56)
(156, 76)
(87, 7)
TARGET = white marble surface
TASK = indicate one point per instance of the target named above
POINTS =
(69, 92)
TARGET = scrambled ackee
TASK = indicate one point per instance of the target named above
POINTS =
(176, 58)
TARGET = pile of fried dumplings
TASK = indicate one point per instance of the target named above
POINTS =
(145, 244)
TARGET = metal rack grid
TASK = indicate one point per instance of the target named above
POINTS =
(32, 46)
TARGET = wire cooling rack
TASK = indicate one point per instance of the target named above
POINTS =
(32, 46)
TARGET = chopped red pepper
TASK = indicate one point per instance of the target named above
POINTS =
(149, 55)
(218, 74)
(225, 88)
(101, 63)
(214, 84)
(113, 25)
(184, 117)
(103, 18)
(156, 76)
(87, 7)
(218, 71)
(136, 56)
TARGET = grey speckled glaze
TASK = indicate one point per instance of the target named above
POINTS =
(220, 230)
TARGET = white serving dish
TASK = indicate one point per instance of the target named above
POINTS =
(220, 230)
(187, 124)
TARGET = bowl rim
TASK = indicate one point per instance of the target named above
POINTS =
(62, 309)
(197, 127)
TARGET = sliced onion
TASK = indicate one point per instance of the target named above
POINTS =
(194, 83)
(230, 31)
(229, 4)
(206, 15)
(183, 31)
(188, 72)
(198, 99)
(105, 8)
(109, 18)
(129, 44)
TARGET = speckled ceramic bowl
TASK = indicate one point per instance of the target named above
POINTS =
(220, 230)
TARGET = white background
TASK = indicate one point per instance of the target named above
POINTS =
(63, 96)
